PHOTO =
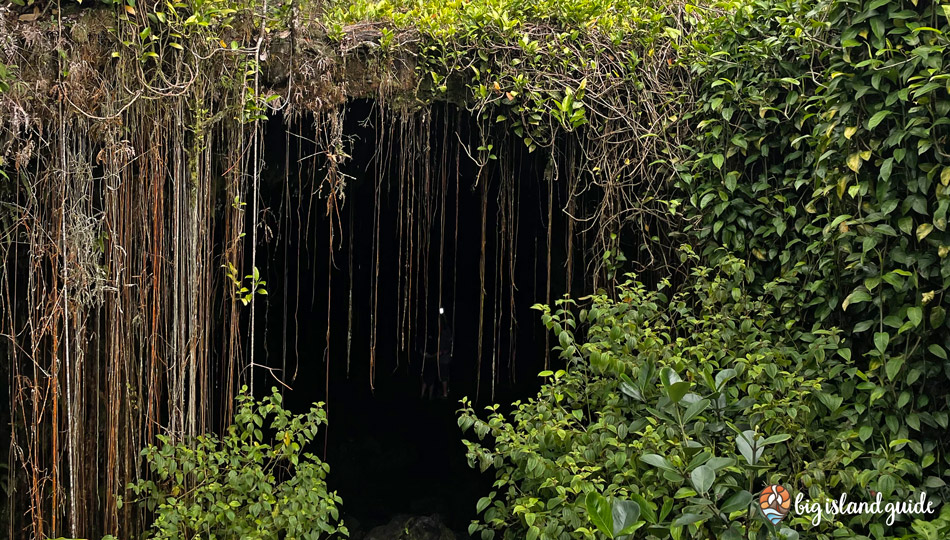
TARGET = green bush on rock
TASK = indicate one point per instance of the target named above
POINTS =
(673, 412)
(243, 486)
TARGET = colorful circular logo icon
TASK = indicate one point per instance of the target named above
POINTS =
(775, 503)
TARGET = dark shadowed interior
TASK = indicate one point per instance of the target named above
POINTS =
(391, 450)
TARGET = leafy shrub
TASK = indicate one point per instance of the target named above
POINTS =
(819, 150)
(241, 486)
(679, 408)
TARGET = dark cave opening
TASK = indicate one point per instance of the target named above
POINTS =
(411, 207)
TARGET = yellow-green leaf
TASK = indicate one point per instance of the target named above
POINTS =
(854, 162)
(923, 230)
(850, 131)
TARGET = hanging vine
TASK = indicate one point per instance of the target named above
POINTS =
(137, 165)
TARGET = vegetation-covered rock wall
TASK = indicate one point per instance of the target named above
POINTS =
(806, 137)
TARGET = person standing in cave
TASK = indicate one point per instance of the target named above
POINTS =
(437, 363)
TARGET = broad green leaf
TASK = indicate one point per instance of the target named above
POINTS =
(738, 501)
(723, 377)
(687, 519)
(878, 118)
(749, 446)
(937, 316)
(694, 409)
(675, 387)
(718, 463)
(599, 512)
(718, 160)
(685, 493)
(625, 516)
(669, 376)
(886, 169)
(787, 533)
(702, 478)
(856, 297)
(781, 437)
(926, 530)
(677, 390)
(731, 180)
(665, 509)
(881, 339)
(915, 315)
(877, 26)
(657, 461)
(646, 509)
(893, 367)
(905, 224)
(564, 339)
(897, 442)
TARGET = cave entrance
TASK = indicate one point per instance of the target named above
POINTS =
(354, 287)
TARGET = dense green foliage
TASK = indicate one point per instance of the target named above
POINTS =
(819, 157)
(243, 485)
(687, 404)
(821, 154)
